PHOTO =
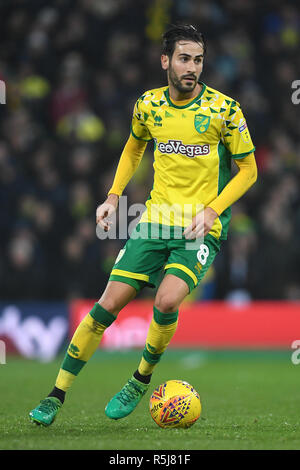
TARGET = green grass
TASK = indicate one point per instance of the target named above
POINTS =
(250, 401)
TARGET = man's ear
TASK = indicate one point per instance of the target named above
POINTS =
(164, 62)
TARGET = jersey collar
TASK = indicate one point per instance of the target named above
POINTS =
(166, 92)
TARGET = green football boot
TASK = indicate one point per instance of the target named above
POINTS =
(124, 402)
(46, 412)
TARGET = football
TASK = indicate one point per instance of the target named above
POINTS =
(175, 404)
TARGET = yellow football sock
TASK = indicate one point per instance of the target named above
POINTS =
(160, 333)
(83, 345)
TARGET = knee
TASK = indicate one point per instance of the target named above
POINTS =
(166, 303)
(110, 304)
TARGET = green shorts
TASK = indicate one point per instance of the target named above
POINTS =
(154, 247)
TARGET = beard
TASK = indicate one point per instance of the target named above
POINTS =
(179, 84)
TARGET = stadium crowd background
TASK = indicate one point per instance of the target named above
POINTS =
(73, 70)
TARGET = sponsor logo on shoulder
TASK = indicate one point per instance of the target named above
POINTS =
(177, 147)
(243, 129)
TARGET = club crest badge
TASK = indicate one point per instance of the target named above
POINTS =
(201, 123)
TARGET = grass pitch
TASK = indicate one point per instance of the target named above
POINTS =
(250, 401)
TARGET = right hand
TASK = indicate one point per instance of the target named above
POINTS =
(105, 210)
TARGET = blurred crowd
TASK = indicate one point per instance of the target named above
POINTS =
(73, 70)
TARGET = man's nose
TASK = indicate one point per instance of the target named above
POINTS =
(191, 67)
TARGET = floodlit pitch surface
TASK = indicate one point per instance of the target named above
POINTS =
(250, 401)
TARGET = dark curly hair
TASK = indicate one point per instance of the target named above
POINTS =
(179, 32)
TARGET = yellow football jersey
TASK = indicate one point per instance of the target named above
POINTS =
(193, 147)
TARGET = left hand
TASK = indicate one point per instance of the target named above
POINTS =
(201, 224)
